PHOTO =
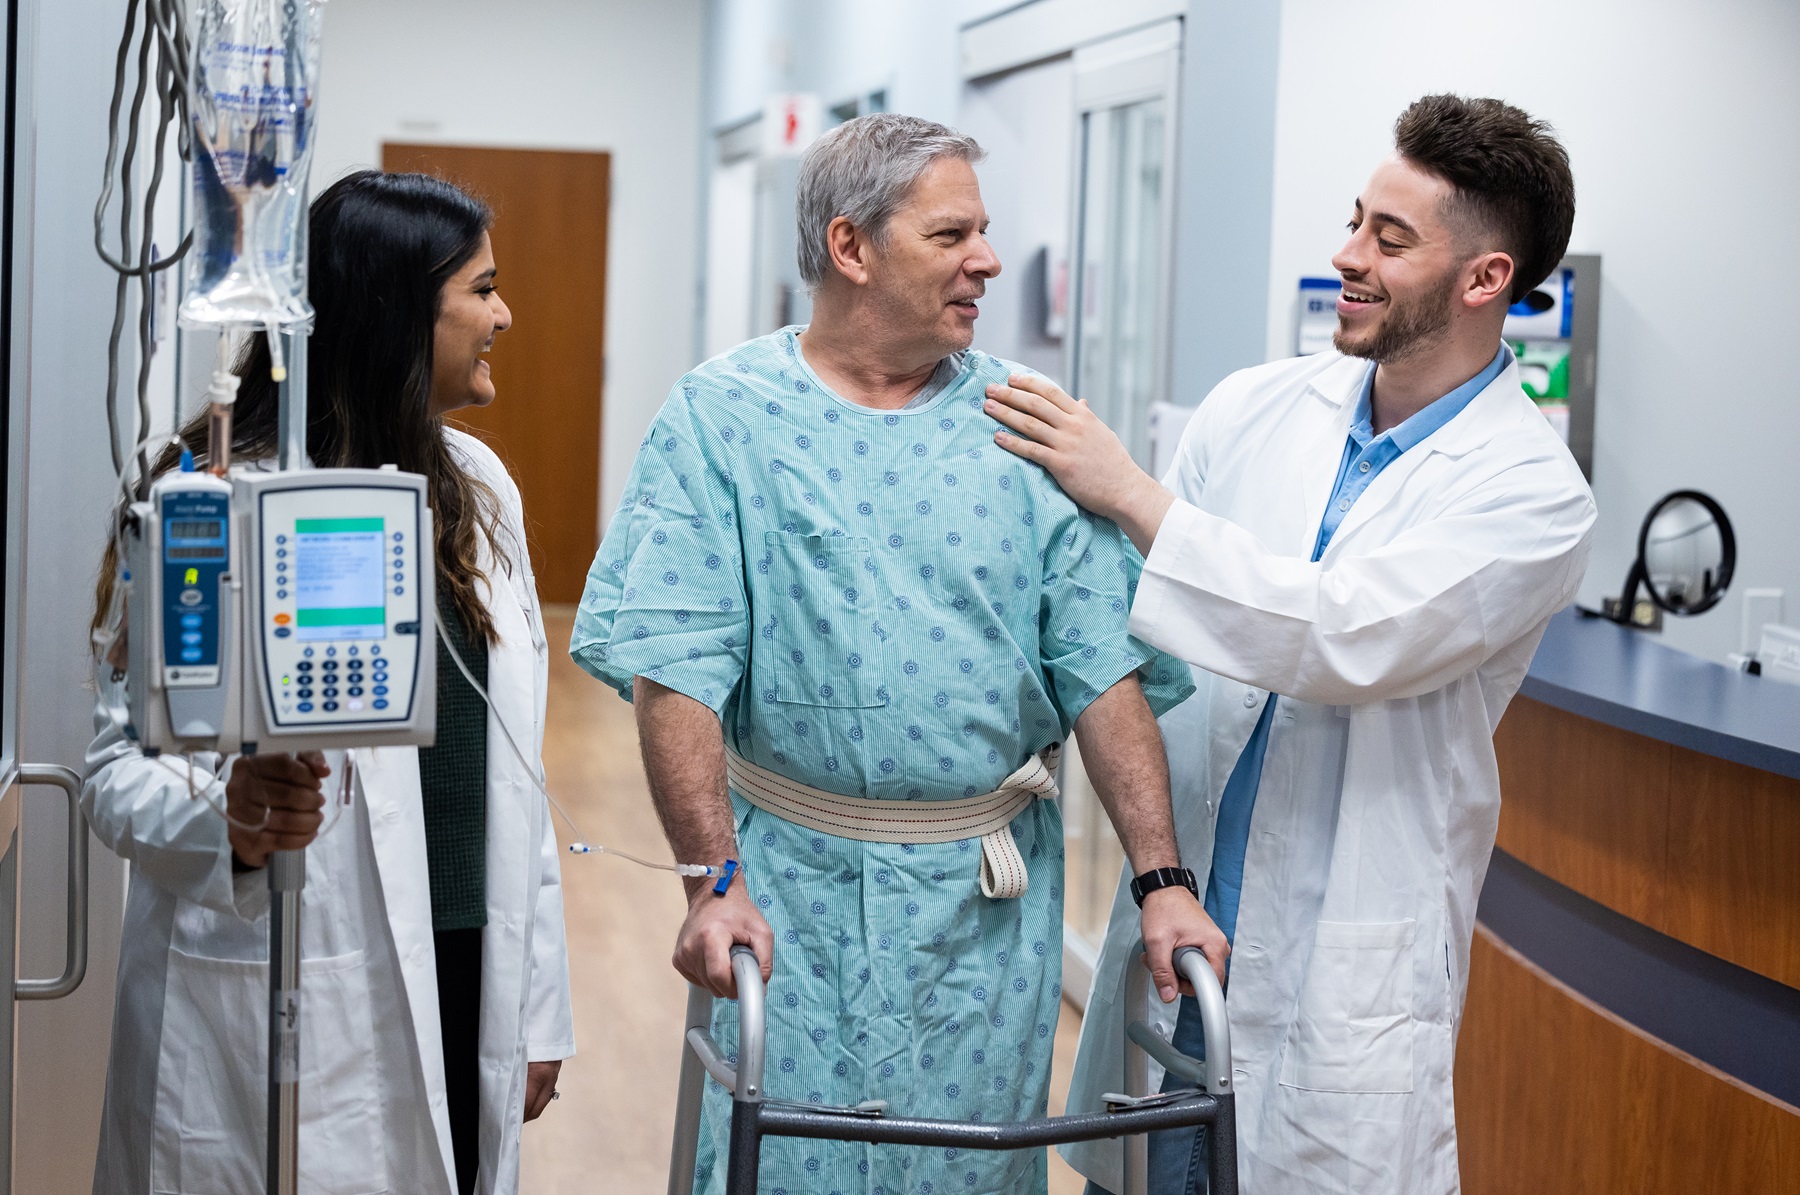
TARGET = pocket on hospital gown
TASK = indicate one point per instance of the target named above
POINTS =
(212, 1093)
(817, 641)
(1353, 1031)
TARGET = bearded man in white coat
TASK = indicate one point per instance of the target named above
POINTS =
(1361, 549)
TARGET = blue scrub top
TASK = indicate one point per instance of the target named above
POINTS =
(1365, 456)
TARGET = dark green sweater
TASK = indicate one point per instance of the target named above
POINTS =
(453, 777)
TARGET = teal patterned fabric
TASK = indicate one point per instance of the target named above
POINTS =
(886, 605)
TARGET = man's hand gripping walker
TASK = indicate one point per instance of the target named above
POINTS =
(755, 1116)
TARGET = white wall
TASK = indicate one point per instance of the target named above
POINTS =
(1229, 72)
(838, 48)
(1681, 118)
(616, 75)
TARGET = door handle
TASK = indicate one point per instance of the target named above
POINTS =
(76, 960)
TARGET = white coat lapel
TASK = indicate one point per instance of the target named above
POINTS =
(1319, 448)
(514, 807)
(517, 683)
(1472, 427)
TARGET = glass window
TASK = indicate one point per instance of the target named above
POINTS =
(1118, 365)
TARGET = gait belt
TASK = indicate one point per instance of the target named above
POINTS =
(987, 816)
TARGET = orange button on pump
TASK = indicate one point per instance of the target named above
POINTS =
(281, 620)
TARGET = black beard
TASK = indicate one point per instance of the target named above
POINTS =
(1408, 329)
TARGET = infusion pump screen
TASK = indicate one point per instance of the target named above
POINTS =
(339, 596)
(340, 582)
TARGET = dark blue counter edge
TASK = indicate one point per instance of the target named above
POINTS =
(1743, 1024)
(1624, 678)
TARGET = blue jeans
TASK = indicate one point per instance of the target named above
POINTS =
(1178, 1157)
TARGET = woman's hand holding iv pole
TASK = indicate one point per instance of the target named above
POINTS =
(284, 795)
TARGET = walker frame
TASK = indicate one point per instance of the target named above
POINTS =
(1210, 1104)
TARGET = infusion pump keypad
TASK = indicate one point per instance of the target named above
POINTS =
(340, 605)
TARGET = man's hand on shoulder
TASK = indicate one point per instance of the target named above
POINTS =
(1172, 918)
(714, 925)
(1077, 448)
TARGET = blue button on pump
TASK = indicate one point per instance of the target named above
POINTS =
(190, 655)
(192, 638)
(190, 621)
(330, 706)
(381, 703)
(283, 632)
(305, 707)
(380, 690)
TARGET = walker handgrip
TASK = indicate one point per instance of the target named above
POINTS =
(1192, 964)
(1166, 1055)
(751, 1024)
(701, 1042)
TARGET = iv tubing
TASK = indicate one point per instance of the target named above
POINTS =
(580, 846)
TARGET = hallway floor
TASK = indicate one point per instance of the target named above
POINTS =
(610, 1129)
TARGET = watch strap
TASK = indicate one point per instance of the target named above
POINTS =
(1163, 877)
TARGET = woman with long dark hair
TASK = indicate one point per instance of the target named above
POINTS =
(434, 973)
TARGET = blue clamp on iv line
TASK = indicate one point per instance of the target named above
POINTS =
(731, 866)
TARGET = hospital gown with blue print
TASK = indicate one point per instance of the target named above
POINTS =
(882, 604)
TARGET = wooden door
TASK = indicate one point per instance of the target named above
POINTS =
(549, 240)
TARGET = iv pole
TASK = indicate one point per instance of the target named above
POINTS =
(287, 872)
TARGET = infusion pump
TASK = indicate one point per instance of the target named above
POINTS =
(282, 612)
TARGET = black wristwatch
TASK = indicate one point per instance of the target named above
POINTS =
(1163, 877)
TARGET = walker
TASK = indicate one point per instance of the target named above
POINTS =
(1136, 1112)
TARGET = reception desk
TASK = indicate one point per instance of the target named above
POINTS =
(1633, 1018)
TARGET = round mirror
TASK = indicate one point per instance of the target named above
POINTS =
(1685, 556)
(1687, 551)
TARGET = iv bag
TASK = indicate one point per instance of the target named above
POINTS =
(253, 67)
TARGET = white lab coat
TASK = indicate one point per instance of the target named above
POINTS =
(185, 1098)
(1394, 658)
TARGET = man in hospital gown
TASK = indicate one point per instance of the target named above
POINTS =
(822, 562)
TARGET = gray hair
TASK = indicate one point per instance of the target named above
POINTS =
(864, 170)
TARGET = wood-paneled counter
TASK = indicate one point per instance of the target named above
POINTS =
(1633, 1018)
